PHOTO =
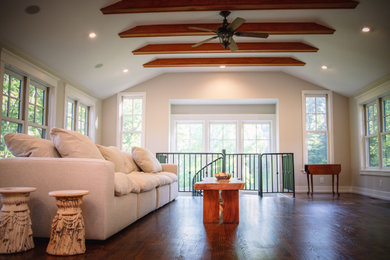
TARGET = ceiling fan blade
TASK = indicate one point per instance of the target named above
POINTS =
(207, 40)
(233, 45)
(252, 34)
(201, 29)
(236, 23)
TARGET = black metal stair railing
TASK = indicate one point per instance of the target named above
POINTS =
(204, 172)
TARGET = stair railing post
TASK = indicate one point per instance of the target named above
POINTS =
(223, 160)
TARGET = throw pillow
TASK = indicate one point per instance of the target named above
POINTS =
(145, 160)
(130, 163)
(22, 145)
(114, 155)
(71, 144)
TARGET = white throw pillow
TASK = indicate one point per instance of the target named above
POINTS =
(71, 144)
(146, 160)
(22, 145)
(114, 155)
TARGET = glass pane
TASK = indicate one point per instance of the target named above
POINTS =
(263, 146)
(265, 132)
(249, 131)
(230, 146)
(40, 97)
(386, 106)
(373, 158)
(35, 131)
(310, 105)
(6, 84)
(31, 94)
(197, 133)
(372, 127)
(127, 106)
(127, 123)
(321, 122)
(317, 148)
(229, 131)
(250, 146)
(137, 123)
(129, 140)
(39, 116)
(69, 123)
(216, 131)
(387, 123)
(14, 108)
(386, 150)
(311, 122)
(5, 106)
(137, 106)
(182, 132)
(321, 105)
(16, 86)
(216, 146)
(195, 145)
(31, 113)
(7, 127)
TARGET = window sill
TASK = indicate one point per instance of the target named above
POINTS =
(375, 172)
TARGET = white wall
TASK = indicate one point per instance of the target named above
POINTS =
(235, 85)
(375, 184)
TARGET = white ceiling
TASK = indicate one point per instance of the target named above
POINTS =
(57, 38)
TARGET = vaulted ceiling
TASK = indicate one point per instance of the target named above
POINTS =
(303, 37)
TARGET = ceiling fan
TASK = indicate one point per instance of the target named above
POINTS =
(226, 32)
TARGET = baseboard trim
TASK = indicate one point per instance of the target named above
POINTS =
(379, 194)
(342, 189)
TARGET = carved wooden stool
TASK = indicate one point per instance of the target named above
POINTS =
(67, 236)
(15, 222)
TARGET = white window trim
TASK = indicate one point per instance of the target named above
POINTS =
(329, 106)
(22, 66)
(119, 115)
(237, 118)
(81, 97)
(379, 90)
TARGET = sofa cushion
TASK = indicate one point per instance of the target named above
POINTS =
(130, 163)
(146, 181)
(22, 145)
(146, 160)
(124, 184)
(71, 144)
(171, 176)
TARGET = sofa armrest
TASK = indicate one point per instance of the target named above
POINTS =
(167, 167)
(49, 174)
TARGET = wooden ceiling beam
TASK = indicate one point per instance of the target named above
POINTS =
(243, 47)
(229, 62)
(151, 6)
(164, 30)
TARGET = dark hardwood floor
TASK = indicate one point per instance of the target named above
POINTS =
(273, 227)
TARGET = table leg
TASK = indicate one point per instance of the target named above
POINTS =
(333, 184)
(311, 178)
(338, 194)
(308, 183)
(231, 210)
(210, 206)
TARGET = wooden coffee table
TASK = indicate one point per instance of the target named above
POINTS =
(226, 210)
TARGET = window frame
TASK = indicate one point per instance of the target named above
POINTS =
(120, 97)
(81, 99)
(240, 119)
(329, 120)
(379, 101)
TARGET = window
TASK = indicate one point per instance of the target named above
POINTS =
(24, 109)
(316, 127)
(257, 137)
(377, 133)
(223, 135)
(205, 133)
(77, 116)
(131, 120)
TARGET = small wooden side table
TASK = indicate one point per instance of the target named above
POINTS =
(67, 236)
(15, 223)
(228, 209)
(322, 169)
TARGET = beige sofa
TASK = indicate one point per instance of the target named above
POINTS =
(104, 212)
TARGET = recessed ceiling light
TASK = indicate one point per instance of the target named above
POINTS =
(222, 66)
(125, 70)
(324, 67)
(92, 35)
(366, 29)
(32, 9)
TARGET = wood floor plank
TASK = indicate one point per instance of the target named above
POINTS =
(273, 227)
